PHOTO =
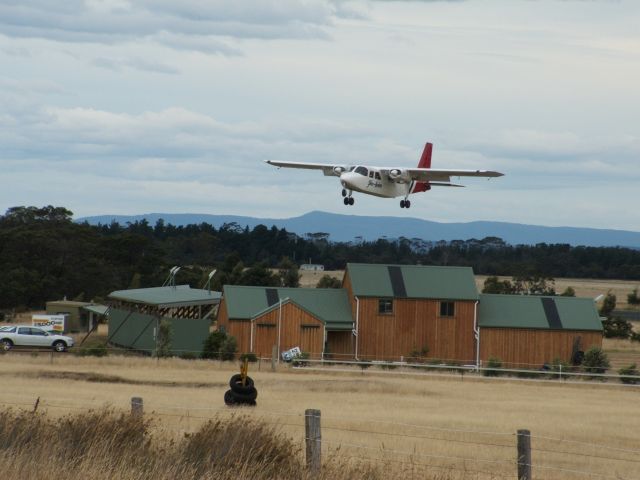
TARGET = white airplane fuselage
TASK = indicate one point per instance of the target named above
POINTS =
(375, 184)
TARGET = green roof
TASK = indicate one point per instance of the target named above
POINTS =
(412, 281)
(330, 305)
(97, 309)
(178, 296)
(538, 312)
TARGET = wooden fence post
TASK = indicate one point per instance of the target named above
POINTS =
(137, 407)
(524, 455)
(313, 440)
(274, 357)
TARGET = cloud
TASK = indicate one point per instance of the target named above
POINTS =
(119, 64)
(188, 24)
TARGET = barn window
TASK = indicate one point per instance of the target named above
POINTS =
(447, 309)
(385, 305)
(309, 325)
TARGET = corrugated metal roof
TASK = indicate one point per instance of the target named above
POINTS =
(178, 296)
(98, 309)
(412, 281)
(329, 305)
(529, 311)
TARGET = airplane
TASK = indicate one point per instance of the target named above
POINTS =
(389, 182)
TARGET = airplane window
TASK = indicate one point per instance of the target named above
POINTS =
(362, 171)
(351, 169)
(370, 174)
(378, 176)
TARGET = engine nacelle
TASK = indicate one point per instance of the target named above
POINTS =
(399, 176)
(338, 170)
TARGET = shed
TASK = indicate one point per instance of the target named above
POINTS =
(135, 315)
(82, 316)
(318, 321)
(403, 308)
(528, 331)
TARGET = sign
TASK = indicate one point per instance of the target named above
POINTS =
(291, 354)
(50, 323)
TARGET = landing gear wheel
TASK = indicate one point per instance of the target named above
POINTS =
(351, 201)
(402, 203)
(344, 192)
(407, 203)
(346, 200)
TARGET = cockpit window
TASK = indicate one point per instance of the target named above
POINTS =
(362, 171)
(351, 169)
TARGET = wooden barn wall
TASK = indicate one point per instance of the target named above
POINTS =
(533, 348)
(346, 284)
(298, 329)
(416, 323)
(340, 345)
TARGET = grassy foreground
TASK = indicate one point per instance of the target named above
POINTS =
(375, 424)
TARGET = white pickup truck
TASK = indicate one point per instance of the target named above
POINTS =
(28, 336)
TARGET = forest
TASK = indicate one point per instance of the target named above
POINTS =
(45, 255)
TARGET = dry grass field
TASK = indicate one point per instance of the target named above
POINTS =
(403, 423)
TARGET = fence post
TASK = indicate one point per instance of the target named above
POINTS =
(524, 455)
(137, 407)
(313, 440)
(274, 357)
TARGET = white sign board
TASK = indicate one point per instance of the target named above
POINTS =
(50, 323)
(291, 354)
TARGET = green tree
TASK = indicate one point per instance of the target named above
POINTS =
(595, 361)
(608, 305)
(163, 346)
(632, 298)
(288, 273)
(568, 292)
(327, 281)
(494, 285)
(212, 348)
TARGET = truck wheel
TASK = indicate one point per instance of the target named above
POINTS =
(59, 346)
(6, 345)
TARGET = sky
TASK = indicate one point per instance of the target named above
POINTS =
(130, 107)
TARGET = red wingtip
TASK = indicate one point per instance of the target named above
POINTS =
(425, 159)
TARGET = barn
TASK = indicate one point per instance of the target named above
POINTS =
(526, 331)
(392, 312)
(400, 309)
(135, 316)
(318, 321)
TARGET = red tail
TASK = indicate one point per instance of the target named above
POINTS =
(425, 162)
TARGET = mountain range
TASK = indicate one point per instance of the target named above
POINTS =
(344, 228)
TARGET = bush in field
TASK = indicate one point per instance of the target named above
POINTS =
(595, 361)
(630, 370)
(494, 364)
(95, 350)
(616, 327)
(633, 298)
(219, 346)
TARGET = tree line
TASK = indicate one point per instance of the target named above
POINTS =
(45, 255)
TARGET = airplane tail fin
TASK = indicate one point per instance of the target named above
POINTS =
(425, 159)
(425, 162)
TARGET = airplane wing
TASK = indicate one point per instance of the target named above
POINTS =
(431, 174)
(330, 170)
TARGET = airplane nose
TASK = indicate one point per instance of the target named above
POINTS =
(345, 179)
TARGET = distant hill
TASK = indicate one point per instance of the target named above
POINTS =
(346, 228)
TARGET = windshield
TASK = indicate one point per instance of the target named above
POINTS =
(362, 171)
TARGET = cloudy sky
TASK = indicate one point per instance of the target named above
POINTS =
(136, 106)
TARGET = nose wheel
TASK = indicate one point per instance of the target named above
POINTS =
(405, 203)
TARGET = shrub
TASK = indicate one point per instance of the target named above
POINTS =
(229, 348)
(558, 367)
(635, 337)
(493, 366)
(633, 298)
(300, 360)
(595, 361)
(96, 350)
(250, 357)
(219, 346)
(617, 328)
(164, 339)
(417, 356)
(630, 370)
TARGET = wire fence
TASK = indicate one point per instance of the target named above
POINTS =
(467, 452)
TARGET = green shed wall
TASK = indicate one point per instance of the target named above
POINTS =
(187, 335)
